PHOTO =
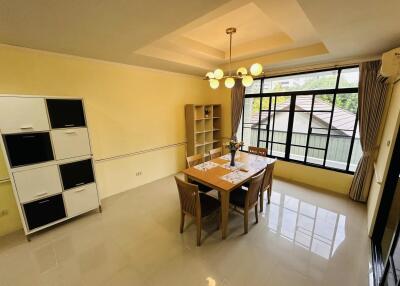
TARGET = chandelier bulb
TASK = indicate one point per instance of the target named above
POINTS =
(214, 84)
(229, 82)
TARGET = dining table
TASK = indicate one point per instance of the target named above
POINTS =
(221, 176)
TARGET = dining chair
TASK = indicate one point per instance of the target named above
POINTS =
(215, 153)
(258, 151)
(266, 185)
(192, 161)
(195, 204)
(246, 200)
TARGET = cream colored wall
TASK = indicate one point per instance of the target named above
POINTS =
(129, 109)
(389, 133)
(316, 177)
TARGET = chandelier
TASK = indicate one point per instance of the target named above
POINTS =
(242, 73)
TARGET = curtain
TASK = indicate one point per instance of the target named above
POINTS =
(237, 101)
(371, 102)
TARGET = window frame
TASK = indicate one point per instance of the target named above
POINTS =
(293, 94)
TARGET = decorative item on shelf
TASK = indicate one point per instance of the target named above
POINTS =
(242, 74)
(206, 112)
(233, 146)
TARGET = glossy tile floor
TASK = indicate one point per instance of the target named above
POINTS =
(304, 237)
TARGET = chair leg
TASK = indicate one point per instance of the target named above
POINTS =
(198, 232)
(246, 221)
(261, 202)
(182, 221)
(269, 194)
(256, 212)
(219, 219)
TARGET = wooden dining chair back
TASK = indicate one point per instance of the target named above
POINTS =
(254, 190)
(194, 160)
(247, 199)
(215, 153)
(188, 197)
(258, 151)
(195, 204)
(267, 184)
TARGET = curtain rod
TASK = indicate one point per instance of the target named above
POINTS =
(317, 67)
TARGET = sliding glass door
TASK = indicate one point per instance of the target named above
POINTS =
(385, 239)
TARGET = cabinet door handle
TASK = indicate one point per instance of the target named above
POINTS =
(41, 194)
(79, 184)
(70, 132)
(26, 127)
(43, 202)
(80, 190)
(69, 125)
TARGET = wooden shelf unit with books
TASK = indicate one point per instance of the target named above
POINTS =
(203, 128)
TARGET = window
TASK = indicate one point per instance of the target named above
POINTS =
(310, 118)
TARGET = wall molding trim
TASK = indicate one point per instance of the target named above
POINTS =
(111, 158)
(5, 180)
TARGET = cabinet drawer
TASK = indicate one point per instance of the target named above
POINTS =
(66, 113)
(80, 200)
(37, 183)
(23, 115)
(69, 143)
(77, 174)
(45, 211)
(28, 148)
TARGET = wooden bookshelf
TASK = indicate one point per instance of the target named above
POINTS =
(203, 128)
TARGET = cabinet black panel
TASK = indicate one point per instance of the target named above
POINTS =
(28, 148)
(65, 113)
(44, 211)
(77, 174)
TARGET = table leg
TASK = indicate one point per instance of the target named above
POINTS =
(225, 213)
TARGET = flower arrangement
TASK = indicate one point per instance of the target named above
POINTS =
(234, 145)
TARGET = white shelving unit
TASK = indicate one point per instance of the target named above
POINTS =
(46, 144)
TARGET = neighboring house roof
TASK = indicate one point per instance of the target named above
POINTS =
(343, 120)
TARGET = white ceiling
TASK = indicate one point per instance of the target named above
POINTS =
(189, 36)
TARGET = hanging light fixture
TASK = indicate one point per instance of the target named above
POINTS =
(242, 73)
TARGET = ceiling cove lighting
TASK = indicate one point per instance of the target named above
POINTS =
(241, 73)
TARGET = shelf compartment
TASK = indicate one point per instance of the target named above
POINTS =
(37, 183)
(70, 143)
(199, 127)
(198, 112)
(44, 211)
(217, 111)
(216, 123)
(23, 115)
(77, 174)
(66, 113)
(81, 200)
(28, 148)
(208, 111)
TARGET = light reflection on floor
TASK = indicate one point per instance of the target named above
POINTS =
(316, 229)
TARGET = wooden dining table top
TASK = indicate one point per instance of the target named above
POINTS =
(246, 163)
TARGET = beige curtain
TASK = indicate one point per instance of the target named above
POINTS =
(371, 102)
(237, 101)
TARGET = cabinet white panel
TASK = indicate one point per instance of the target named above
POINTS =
(81, 199)
(69, 143)
(37, 183)
(23, 115)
